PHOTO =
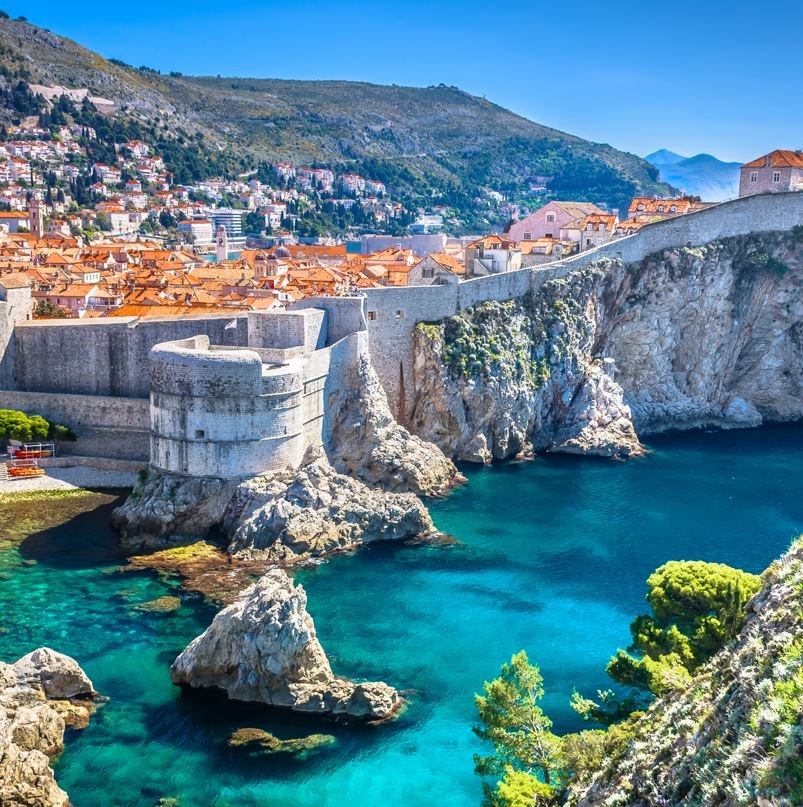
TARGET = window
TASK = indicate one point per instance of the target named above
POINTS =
(661, 208)
(428, 272)
(372, 315)
(550, 217)
(200, 434)
(776, 176)
(548, 235)
(640, 207)
(673, 209)
(589, 226)
(601, 228)
(754, 176)
(400, 313)
(528, 236)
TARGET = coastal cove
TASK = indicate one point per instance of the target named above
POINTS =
(552, 557)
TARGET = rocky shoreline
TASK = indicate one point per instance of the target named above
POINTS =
(41, 695)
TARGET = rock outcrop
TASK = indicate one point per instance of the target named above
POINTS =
(689, 337)
(312, 511)
(164, 509)
(40, 695)
(509, 377)
(734, 735)
(286, 516)
(368, 444)
(263, 647)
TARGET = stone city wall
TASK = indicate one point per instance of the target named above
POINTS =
(106, 356)
(104, 426)
(393, 313)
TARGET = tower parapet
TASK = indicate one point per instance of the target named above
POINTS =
(220, 412)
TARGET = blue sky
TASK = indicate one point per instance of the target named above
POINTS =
(698, 76)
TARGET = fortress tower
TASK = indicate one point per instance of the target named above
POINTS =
(221, 244)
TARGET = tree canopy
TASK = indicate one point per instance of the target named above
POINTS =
(697, 608)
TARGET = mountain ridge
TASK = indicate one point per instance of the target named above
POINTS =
(702, 175)
(435, 142)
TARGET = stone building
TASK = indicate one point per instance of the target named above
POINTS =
(776, 172)
(547, 220)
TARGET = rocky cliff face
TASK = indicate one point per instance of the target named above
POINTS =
(367, 443)
(709, 335)
(40, 695)
(263, 647)
(734, 736)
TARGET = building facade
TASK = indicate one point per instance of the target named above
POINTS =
(779, 171)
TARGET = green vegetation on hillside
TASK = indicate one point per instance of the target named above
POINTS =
(698, 609)
(431, 146)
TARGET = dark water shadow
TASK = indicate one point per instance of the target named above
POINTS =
(85, 540)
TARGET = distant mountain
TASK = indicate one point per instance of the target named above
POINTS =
(430, 145)
(664, 157)
(703, 175)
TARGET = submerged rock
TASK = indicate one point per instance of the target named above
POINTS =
(40, 695)
(295, 515)
(263, 647)
(161, 605)
(267, 743)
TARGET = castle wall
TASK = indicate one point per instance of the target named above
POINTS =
(104, 426)
(393, 313)
(106, 356)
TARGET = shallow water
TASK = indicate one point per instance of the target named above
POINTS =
(553, 558)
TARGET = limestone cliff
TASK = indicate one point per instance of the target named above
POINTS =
(263, 647)
(40, 695)
(734, 735)
(367, 443)
(709, 335)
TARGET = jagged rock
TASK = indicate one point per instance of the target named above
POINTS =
(39, 695)
(732, 735)
(597, 420)
(263, 647)
(506, 378)
(267, 743)
(164, 509)
(310, 512)
(367, 443)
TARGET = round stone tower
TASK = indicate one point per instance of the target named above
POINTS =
(220, 412)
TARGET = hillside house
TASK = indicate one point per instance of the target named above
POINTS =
(776, 172)
(547, 220)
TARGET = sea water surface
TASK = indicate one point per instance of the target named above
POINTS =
(552, 558)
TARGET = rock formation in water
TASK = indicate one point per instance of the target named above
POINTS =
(709, 335)
(263, 647)
(286, 516)
(734, 735)
(40, 695)
(312, 511)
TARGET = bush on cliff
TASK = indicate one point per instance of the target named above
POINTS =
(697, 608)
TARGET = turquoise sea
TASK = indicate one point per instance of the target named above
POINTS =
(552, 557)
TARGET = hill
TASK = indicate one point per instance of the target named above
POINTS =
(733, 735)
(702, 175)
(437, 144)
